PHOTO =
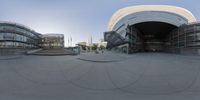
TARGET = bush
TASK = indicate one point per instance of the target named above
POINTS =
(94, 47)
(102, 47)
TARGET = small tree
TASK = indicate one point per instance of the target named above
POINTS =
(102, 47)
(94, 47)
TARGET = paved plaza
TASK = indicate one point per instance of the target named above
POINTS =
(103, 76)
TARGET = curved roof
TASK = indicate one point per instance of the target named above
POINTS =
(19, 26)
(117, 16)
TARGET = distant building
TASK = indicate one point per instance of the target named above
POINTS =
(102, 43)
(53, 41)
(83, 46)
(90, 41)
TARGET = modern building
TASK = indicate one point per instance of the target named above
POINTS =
(53, 41)
(17, 38)
(153, 28)
(13, 35)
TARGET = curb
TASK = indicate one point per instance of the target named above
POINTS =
(99, 61)
(52, 54)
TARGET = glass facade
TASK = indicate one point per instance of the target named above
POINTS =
(17, 36)
(180, 39)
(185, 36)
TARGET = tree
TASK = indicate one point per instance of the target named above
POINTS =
(102, 47)
(94, 47)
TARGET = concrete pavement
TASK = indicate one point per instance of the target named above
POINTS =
(142, 76)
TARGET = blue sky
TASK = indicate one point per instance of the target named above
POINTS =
(78, 19)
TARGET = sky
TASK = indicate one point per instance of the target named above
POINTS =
(79, 19)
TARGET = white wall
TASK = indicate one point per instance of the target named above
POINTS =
(147, 16)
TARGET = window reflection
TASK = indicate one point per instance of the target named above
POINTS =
(16, 37)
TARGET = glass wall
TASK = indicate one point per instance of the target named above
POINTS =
(13, 36)
(187, 36)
